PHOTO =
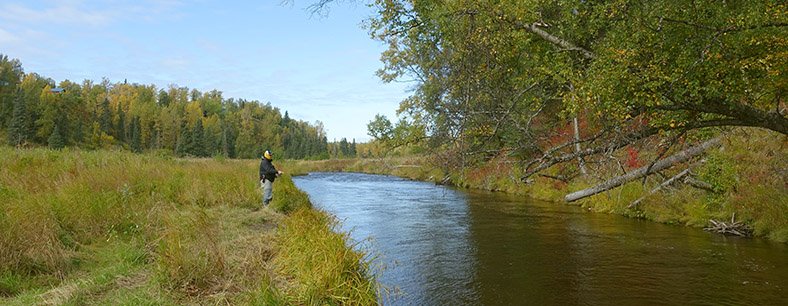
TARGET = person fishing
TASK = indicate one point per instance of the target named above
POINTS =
(268, 174)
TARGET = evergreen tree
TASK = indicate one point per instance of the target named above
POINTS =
(105, 117)
(18, 132)
(324, 154)
(285, 120)
(353, 148)
(228, 142)
(184, 141)
(155, 136)
(344, 147)
(120, 129)
(197, 146)
(136, 135)
(56, 140)
(164, 98)
(195, 95)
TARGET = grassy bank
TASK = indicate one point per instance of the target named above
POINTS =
(108, 228)
(748, 174)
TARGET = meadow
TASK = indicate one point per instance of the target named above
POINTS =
(117, 228)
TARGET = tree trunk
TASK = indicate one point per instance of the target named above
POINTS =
(643, 171)
(580, 160)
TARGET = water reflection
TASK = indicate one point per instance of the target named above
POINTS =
(447, 247)
(419, 232)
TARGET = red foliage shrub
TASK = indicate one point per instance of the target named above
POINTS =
(632, 158)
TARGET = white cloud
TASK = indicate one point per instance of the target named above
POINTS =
(91, 13)
(61, 13)
(6, 37)
(153, 10)
(176, 63)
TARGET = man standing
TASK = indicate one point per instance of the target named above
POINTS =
(268, 174)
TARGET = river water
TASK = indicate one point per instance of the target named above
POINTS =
(443, 246)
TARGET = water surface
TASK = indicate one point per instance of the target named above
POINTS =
(443, 246)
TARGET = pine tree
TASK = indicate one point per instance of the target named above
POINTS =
(197, 146)
(228, 142)
(164, 98)
(344, 147)
(56, 140)
(18, 132)
(120, 129)
(105, 117)
(285, 120)
(136, 135)
(184, 141)
(154, 141)
(353, 152)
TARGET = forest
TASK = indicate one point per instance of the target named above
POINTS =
(35, 111)
(579, 84)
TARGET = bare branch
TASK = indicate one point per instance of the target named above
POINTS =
(535, 28)
(548, 160)
(664, 184)
(566, 45)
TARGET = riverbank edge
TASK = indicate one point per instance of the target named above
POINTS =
(746, 190)
(194, 234)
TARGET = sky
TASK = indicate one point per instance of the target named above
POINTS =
(316, 68)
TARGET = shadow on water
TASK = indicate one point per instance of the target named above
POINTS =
(443, 246)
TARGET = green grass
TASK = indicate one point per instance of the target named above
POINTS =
(115, 228)
(333, 277)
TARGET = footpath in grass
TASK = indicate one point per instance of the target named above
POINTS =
(115, 228)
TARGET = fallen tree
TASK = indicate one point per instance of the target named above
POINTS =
(663, 164)
(664, 184)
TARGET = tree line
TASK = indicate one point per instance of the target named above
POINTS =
(35, 111)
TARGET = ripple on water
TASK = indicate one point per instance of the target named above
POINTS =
(443, 246)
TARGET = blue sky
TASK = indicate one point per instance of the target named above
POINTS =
(317, 68)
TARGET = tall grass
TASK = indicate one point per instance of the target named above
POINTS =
(332, 276)
(287, 198)
(190, 256)
(194, 229)
(55, 201)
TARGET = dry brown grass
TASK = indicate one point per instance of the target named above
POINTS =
(81, 227)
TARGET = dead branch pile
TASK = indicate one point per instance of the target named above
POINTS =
(733, 228)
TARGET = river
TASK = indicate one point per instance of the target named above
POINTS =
(437, 245)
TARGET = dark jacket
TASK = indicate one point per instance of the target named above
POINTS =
(267, 170)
